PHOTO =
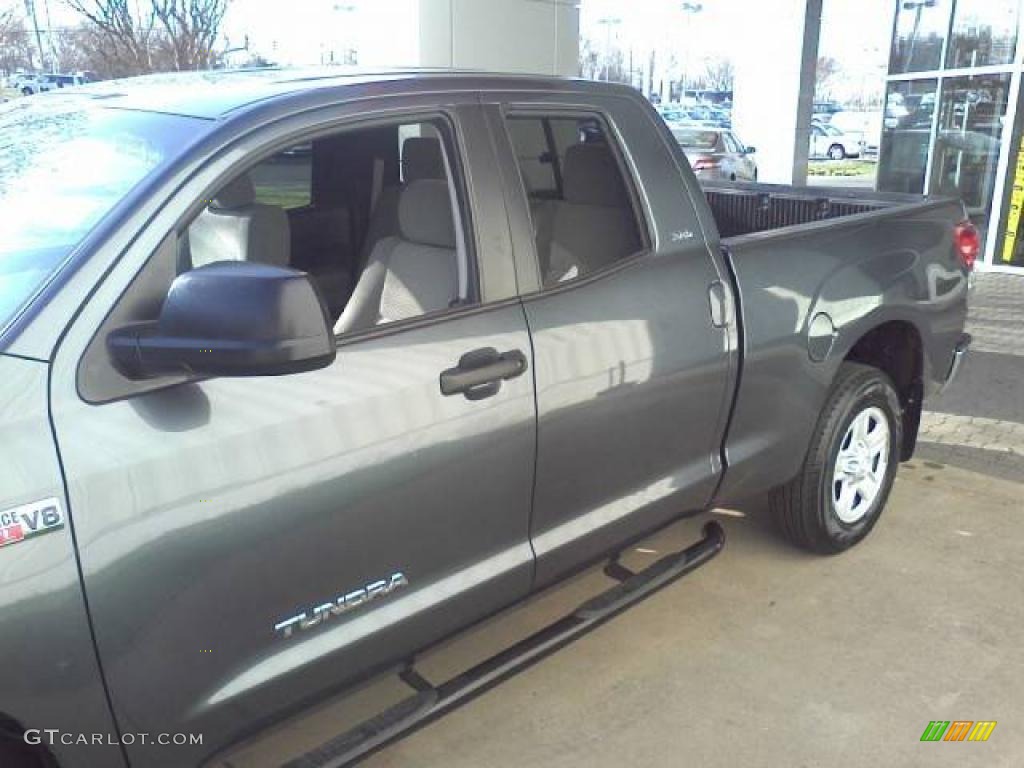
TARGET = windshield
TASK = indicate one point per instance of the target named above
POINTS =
(695, 139)
(64, 164)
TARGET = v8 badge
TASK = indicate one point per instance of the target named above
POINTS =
(28, 520)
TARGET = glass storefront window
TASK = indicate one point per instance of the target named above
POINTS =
(907, 127)
(921, 27)
(966, 155)
(1009, 250)
(984, 33)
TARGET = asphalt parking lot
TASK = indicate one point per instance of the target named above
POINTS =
(769, 657)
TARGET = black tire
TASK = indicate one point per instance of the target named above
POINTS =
(26, 91)
(804, 507)
(836, 152)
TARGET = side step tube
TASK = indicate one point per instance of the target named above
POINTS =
(432, 702)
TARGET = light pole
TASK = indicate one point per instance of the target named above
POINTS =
(608, 22)
(349, 48)
(691, 10)
(917, 6)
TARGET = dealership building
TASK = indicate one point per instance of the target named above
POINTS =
(953, 122)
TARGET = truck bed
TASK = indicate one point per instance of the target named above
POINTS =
(745, 209)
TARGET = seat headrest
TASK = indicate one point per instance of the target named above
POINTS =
(237, 193)
(422, 159)
(425, 213)
(591, 177)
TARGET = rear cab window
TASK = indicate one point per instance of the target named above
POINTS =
(582, 205)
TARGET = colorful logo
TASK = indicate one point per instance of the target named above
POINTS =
(958, 730)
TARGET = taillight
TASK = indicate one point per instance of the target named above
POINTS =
(967, 243)
(706, 163)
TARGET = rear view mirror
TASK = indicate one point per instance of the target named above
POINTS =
(230, 318)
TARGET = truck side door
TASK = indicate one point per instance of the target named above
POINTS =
(633, 371)
(250, 544)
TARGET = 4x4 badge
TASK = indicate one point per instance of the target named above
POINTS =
(28, 520)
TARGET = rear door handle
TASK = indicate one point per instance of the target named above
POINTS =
(479, 373)
(719, 299)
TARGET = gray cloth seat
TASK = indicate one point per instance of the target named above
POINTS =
(593, 225)
(234, 227)
(413, 272)
(421, 159)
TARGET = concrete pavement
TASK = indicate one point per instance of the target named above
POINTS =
(770, 657)
(978, 423)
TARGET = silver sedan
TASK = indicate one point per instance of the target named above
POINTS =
(716, 153)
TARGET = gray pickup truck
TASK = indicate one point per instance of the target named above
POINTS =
(302, 375)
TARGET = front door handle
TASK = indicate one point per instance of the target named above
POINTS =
(479, 373)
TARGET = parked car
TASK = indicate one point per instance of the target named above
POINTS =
(28, 83)
(56, 81)
(832, 143)
(865, 124)
(716, 153)
(257, 460)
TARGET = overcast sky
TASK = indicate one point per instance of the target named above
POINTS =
(856, 32)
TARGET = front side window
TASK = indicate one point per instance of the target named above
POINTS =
(372, 214)
(589, 222)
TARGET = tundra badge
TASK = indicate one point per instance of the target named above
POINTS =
(341, 604)
(28, 520)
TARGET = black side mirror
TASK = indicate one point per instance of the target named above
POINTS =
(230, 318)
(750, 150)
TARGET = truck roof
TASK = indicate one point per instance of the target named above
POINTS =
(217, 94)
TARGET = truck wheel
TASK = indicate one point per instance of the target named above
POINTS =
(836, 152)
(839, 494)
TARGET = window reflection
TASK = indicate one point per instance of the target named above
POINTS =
(984, 33)
(921, 27)
(971, 113)
(903, 158)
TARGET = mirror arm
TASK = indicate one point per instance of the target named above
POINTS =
(124, 350)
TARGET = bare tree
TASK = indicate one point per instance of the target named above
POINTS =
(719, 74)
(827, 68)
(30, 10)
(125, 31)
(16, 51)
(132, 37)
(190, 29)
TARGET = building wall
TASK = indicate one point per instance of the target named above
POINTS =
(774, 87)
(534, 36)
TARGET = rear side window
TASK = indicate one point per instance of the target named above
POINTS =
(581, 205)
